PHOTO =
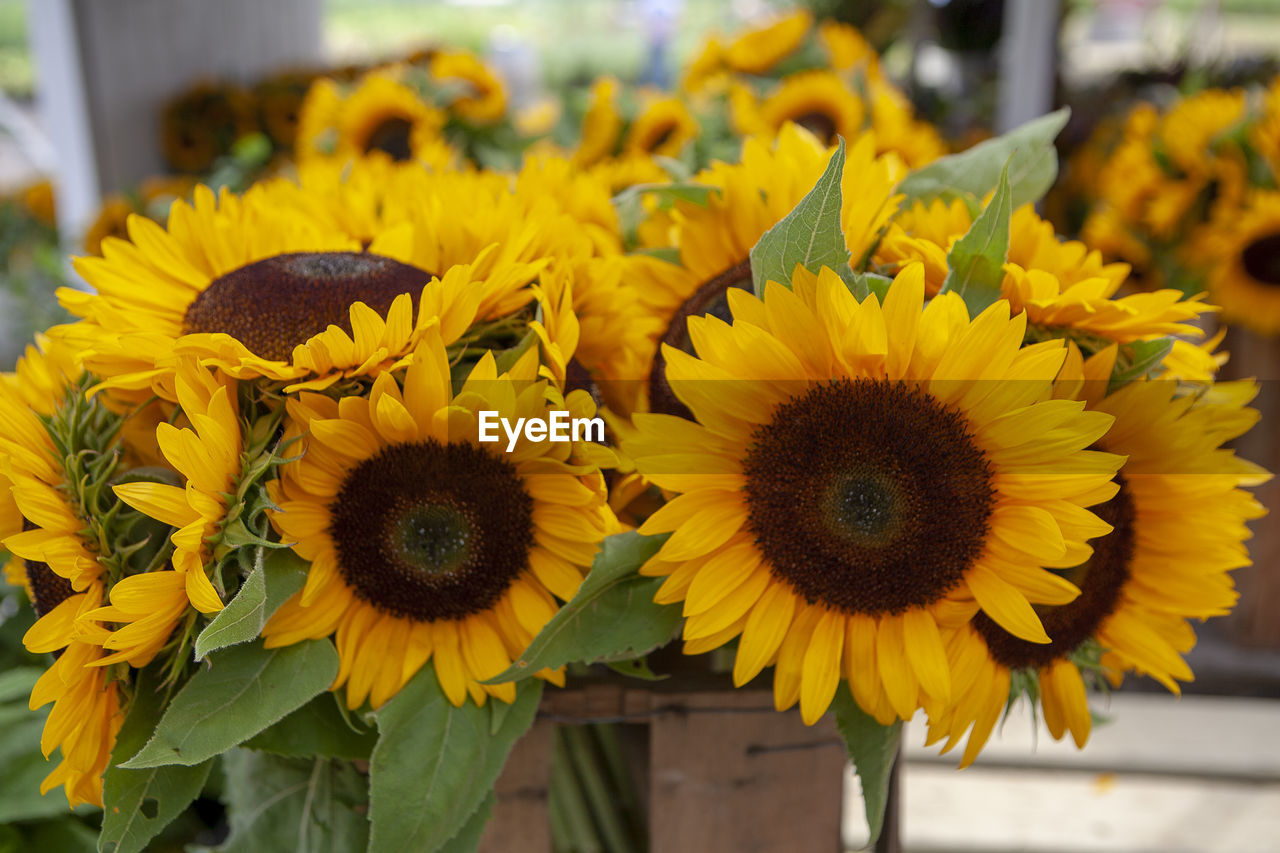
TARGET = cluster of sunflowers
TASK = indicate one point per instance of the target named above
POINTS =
(871, 424)
(1190, 198)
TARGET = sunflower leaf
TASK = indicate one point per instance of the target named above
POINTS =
(137, 804)
(977, 259)
(435, 764)
(629, 204)
(276, 803)
(873, 749)
(243, 690)
(274, 578)
(1027, 150)
(613, 615)
(1135, 360)
(318, 728)
(810, 236)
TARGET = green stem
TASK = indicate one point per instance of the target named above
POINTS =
(580, 835)
(628, 798)
(604, 808)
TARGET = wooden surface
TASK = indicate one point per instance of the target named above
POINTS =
(726, 772)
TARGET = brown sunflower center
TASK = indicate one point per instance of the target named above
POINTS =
(393, 137)
(1261, 260)
(819, 124)
(48, 590)
(711, 298)
(1101, 580)
(868, 496)
(429, 531)
(660, 136)
(275, 304)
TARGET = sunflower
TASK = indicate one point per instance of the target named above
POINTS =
(1189, 132)
(203, 123)
(279, 100)
(256, 287)
(760, 49)
(897, 128)
(847, 50)
(663, 127)
(38, 200)
(601, 124)
(1245, 277)
(484, 100)
(1179, 528)
(423, 542)
(715, 240)
(819, 101)
(706, 74)
(860, 479)
(111, 221)
(380, 117)
(61, 573)
(1064, 286)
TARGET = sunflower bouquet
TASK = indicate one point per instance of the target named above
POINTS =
(1187, 196)
(315, 495)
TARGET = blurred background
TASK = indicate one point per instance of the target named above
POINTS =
(111, 107)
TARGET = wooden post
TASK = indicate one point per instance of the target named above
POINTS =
(520, 814)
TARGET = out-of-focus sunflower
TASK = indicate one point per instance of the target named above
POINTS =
(715, 240)
(1062, 285)
(847, 50)
(761, 48)
(380, 117)
(601, 124)
(279, 99)
(1179, 528)
(1187, 134)
(663, 127)
(203, 123)
(1245, 276)
(37, 199)
(425, 543)
(706, 74)
(61, 574)
(255, 287)
(207, 456)
(111, 221)
(898, 130)
(483, 99)
(819, 101)
(862, 478)
(1264, 136)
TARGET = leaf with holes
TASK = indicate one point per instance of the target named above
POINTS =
(1027, 150)
(612, 617)
(276, 803)
(811, 235)
(137, 804)
(275, 577)
(977, 259)
(435, 764)
(243, 690)
(872, 748)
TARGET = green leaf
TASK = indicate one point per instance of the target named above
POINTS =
(810, 235)
(243, 690)
(25, 767)
(976, 261)
(435, 764)
(468, 838)
(635, 668)
(629, 204)
(863, 284)
(137, 804)
(872, 748)
(1027, 151)
(277, 804)
(17, 683)
(507, 358)
(663, 253)
(272, 581)
(67, 835)
(1135, 360)
(613, 616)
(318, 728)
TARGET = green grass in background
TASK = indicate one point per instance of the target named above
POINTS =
(16, 77)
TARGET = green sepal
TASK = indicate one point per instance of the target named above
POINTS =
(872, 748)
(976, 261)
(275, 578)
(1136, 360)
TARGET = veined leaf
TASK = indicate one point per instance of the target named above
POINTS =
(613, 615)
(275, 577)
(318, 728)
(1135, 360)
(243, 690)
(872, 748)
(1027, 151)
(976, 261)
(435, 764)
(811, 235)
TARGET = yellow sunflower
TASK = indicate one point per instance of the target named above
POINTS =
(485, 98)
(715, 240)
(898, 130)
(380, 117)
(663, 127)
(819, 101)
(707, 73)
(256, 287)
(1179, 528)
(601, 125)
(61, 573)
(111, 221)
(1245, 277)
(759, 49)
(861, 478)
(847, 50)
(424, 542)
